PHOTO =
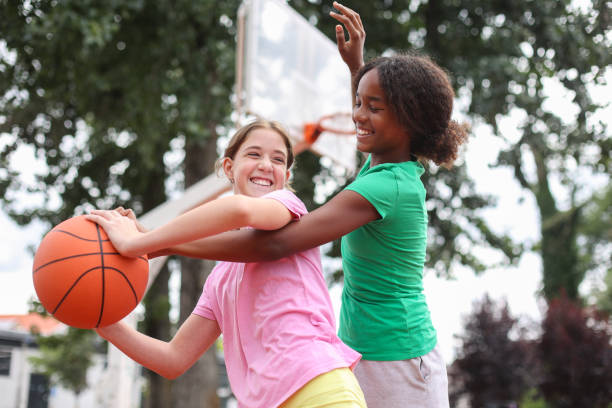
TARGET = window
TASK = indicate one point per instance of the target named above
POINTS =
(5, 361)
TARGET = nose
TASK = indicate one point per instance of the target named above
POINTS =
(265, 163)
(358, 113)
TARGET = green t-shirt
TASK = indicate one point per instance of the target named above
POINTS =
(384, 315)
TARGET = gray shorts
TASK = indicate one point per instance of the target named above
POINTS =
(419, 382)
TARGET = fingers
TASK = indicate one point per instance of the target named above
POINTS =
(126, 212)
(98, 219)
(348, 17)
(340, 40)
(103, 217)
(350, 50)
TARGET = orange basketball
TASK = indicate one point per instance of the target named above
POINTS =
(82, 280)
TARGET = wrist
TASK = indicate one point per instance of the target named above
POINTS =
(354, 70)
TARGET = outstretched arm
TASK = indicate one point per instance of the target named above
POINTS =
(223, 214)
(168, 359)
(345, 212)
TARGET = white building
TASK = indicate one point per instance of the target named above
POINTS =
(21, 387)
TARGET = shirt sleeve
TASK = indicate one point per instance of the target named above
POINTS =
(295, 206)
(379, 187)
(204, 307)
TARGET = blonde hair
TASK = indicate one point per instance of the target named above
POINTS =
(241, 135)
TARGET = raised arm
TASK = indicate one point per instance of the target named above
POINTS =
(345, 212)
(223, 214)
(351, 51)
(168, 359)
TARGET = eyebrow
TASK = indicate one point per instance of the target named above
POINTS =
(373, 98)
(257, 147)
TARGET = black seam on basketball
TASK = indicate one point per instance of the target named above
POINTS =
(103, 277)
(85, 273)
(73, 256)
(127, 280)
(77, 237)
(72, 287)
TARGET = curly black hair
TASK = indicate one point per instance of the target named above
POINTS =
(420, 94)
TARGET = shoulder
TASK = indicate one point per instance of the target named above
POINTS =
(381, 179)
(289, 200)
(386, 184)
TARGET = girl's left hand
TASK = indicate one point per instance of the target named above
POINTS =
(128, 212)
(121, 230)
(351, 51)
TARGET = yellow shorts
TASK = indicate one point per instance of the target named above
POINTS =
(337, 388)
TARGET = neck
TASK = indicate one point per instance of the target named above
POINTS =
(398, 158)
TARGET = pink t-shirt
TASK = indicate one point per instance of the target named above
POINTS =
(278, 325)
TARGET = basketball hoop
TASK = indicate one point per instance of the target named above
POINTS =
(339, 124)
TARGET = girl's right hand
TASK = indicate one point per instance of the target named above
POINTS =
(351, 51)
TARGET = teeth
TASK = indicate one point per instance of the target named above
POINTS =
(363, 132)
(261, 182)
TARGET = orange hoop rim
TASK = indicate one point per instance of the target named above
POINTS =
(312, 130)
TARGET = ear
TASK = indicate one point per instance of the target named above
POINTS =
(228, 168)
(287, 175)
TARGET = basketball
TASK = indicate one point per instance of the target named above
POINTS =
(82, 280)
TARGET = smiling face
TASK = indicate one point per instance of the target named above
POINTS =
(260, 163)
(379, 131)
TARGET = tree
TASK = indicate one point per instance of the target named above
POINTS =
(501, 55)
(494, 365)
(596, 254)
(105, 94)
(108, 93)
(576, 356)
(453, 202)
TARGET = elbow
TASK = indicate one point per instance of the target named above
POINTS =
(172, 372)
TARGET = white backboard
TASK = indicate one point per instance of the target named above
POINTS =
(290, 72)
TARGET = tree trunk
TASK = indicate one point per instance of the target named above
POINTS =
(157, 325)
(560, 267)
(197, 388)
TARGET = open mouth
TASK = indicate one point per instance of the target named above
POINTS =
(364, 132)
(261, 181)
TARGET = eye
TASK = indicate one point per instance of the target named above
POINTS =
(374, 109)
(253, 154)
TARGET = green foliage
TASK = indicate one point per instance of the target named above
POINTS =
(596, 254)
(500, 55)
(101, 90)
(532, 400)
(65, 358)
(604, 296)
(105, 92)
(115, 99)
